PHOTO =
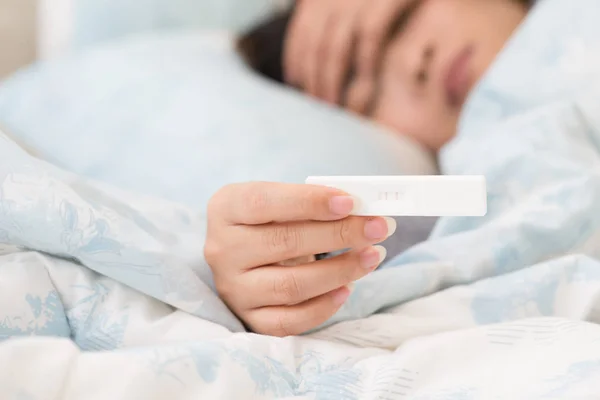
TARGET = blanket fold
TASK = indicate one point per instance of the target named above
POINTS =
(116, 292)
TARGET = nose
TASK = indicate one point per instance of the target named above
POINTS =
(423, 72)
(413, 61)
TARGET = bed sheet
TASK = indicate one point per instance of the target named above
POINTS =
(105, 294)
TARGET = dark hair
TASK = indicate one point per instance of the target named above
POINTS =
(262, 46)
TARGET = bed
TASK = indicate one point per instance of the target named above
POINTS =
(104, 292)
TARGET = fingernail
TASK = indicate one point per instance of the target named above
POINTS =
(341, 205)
(380, 228)
(392, 225)
(372, 257)
(341, 296)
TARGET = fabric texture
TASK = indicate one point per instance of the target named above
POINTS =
(177, 116)
(504, 307)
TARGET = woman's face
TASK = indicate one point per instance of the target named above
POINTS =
(431, 64)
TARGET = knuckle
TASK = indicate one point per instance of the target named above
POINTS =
(343, 231)
(255, 199)
(213, 251)
(217, 201)
(286, 288)
(282, 325)
(284, 240)
(224, 202)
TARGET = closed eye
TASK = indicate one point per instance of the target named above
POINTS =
(396, 29)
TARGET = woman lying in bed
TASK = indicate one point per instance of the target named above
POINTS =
(408, 64)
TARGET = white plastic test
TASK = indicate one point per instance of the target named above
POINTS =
(423, 196)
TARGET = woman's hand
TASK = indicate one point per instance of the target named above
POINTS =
(329, 38)
(254, 228)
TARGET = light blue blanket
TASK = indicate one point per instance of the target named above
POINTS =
(532, 128)
(500, 307)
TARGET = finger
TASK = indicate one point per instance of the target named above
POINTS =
(376, 24)
(286, 321)
(297, 261)
(315, 52)
(262, 203)
(252, 246)
(358, 94)
(296, 40)
(338, 56)
(277, 285)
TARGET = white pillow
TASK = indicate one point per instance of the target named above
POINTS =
(65, 25)
(179, 116)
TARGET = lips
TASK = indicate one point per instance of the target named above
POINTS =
(458, 77)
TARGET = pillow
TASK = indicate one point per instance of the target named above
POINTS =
(76, 24)
(180, 115)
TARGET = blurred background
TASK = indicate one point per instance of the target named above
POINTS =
(44, 29)
(17, 34)
(152, 96)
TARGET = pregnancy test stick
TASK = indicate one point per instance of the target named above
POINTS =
(415, 196)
